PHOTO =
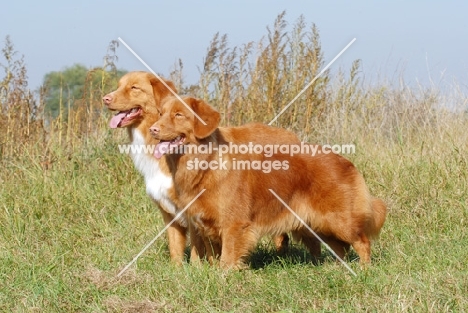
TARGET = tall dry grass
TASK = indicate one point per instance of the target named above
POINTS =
(248, 83)
(28, 130)
(21, 113)
(256, 81)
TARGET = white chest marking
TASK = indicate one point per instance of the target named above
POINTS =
(157, 183)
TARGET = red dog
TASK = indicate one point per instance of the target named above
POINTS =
(137, 100)
(237, 208)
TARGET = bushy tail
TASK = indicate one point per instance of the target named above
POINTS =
(379, 210)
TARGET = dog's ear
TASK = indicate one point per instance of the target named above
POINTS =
(160, 91)
(208, 114)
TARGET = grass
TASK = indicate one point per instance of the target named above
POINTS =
(73, 211)
(68, 230)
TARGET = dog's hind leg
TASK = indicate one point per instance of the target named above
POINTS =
(310, 242)
(341, 248)
(213, 250)
(281, 243)
(362, 246)
(197, 245)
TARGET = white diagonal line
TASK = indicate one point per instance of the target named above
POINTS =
(313, 80)
(314, 233)
(160, 233)
(160, 79)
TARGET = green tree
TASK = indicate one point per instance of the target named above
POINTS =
(63, 88)
(76, 85)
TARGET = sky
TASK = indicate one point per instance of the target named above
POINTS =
(423, 41)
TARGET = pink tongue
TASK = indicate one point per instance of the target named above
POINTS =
(161, 148)
(114, 122)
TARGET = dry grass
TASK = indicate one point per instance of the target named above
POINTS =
(115, 304)
(27, 125)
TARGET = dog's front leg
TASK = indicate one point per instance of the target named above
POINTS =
(177, 237)
(238, 241)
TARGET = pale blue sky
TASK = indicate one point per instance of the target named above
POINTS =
(422, 37)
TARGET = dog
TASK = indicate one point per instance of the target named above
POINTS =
(137, 102)
(238, 207)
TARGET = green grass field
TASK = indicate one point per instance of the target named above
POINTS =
(67, 231)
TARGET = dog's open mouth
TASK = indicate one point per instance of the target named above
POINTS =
(124, 117)
(165, 146)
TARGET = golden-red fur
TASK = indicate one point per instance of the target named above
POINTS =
(143, 92)
(237, 208)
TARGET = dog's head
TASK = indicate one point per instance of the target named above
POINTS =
(183, 123)
(138, 94)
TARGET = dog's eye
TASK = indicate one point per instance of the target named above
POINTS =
(178, 114)
(134, 87)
